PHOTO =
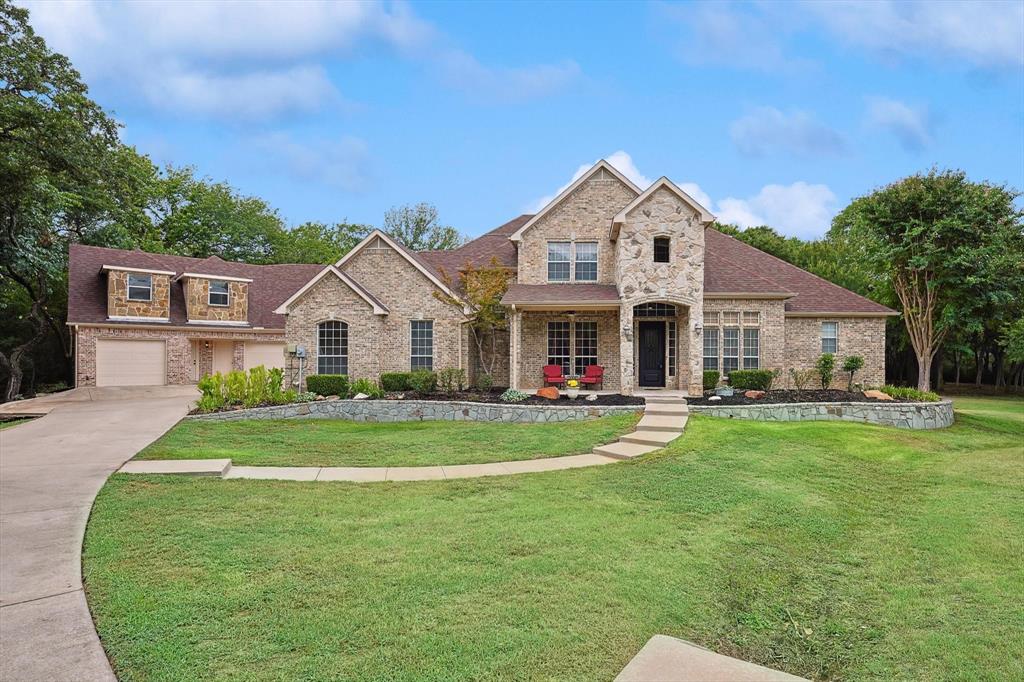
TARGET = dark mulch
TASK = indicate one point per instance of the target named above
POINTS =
(495, 397)
(791, 396)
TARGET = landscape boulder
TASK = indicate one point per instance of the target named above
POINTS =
(877, 395)
(360, 396)
(549, 392)
(754, 395)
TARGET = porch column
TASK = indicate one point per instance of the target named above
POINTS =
(695, 329)
(627, 378)
(514, 344)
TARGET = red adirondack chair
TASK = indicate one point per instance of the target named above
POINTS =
(553, 375)
(593, 375)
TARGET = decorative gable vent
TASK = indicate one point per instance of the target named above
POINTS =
(378, 247)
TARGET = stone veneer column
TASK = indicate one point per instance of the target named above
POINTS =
(696, 341)
(626, 348)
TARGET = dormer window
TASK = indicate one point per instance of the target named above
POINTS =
(218, 292)
(140, 287)
(661, 249)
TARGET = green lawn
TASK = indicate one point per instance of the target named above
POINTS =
(11, 422)
(829, 550)
(328, 442)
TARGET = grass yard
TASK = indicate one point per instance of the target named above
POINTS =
(828, 550)
(12, 422)
(328, 442)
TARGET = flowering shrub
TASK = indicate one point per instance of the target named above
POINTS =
(513, 396)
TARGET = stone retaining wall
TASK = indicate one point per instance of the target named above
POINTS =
(901, 415)
(421, 410)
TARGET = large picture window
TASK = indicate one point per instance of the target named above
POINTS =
(422, 344)
(140, 287)
(711, 349)
(829, 337)
(730, 349)
(218, 293)
(332, 348)
(751, 348)
(558, 345)
(559, 264)
(586, 261)
(586, 346)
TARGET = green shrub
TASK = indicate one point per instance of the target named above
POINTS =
(852, 364)
(711, 377)
(907, 393)
(423, 381)
(212, 387)
(368, 387)
(237, 386)
(258, 391)
(395, 381)
(513, 396)
(451, 380)
(826, 367)
(751, 379)
(294, 396)
(802, 378)
(328, 384)
(275, 384)
(485, 382)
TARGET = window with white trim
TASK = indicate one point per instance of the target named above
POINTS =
(829, 337)
(586, 261)
(751, 318)
(730, 349)
(711, 348)
(731, 318)
(140, 287)
(671, 348)
(559, 261)
(751, 348)
(332, 348)
(218, 292)
(710, 319)
(585, 345)
(422, 345)
(558, 344)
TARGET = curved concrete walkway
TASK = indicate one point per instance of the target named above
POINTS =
(663, 421)
(50, 472)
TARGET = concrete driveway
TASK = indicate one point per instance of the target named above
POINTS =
(50, 471)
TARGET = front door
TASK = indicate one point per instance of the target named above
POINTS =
(652, 354)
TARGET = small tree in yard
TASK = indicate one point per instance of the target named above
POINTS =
(481, 290)
(852, 364)
(826, 367)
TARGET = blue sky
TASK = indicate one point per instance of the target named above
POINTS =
(766, 112)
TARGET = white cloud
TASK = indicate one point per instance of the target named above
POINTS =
(799, 209)
(342, 163)
(912, 127)
(766, 129)
(621, 161)
(222, 57)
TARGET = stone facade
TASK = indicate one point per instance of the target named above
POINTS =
(864, 336)
(901, 415)
(424, 410)
(118, 305)
(585, 215)
(379, 343)
(179, 347)
(197, 301)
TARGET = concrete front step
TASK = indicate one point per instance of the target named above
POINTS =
(667, 408)
(674, 399)
(656, 438)
(662, 422)
(624, 450)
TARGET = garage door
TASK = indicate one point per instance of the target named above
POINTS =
(266, 354)
(130, 363)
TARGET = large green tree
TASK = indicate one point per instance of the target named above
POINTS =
(417, 227)
(316, 242)
(947, 246)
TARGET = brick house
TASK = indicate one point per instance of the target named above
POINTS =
(633, 280)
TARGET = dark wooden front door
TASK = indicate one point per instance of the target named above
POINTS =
(652, 354)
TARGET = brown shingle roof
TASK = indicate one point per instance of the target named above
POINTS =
(271, 284)
(493, 244)
(560, 293)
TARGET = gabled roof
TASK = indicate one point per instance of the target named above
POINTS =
(414, 259)
(87, 282)
(661, 183)
(601, 165)
(479, 252)
(378, 307)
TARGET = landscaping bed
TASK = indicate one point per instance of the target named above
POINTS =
(793, 396)
(495, 398)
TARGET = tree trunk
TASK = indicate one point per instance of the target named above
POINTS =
(924, 373)
(956, 363)
(920, 301)
(938, 363)
(1000, 375)
(978, 367)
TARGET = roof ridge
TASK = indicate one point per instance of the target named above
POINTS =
(799, 269)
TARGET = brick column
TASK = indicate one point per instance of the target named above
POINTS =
(514, 345)
(627, 380)
(238, 358)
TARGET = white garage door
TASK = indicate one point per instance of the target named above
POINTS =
(130, 363)
(266, 354)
